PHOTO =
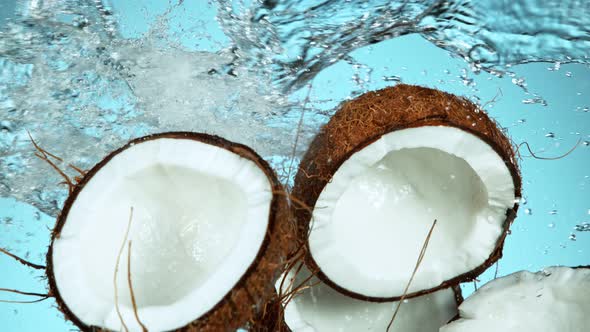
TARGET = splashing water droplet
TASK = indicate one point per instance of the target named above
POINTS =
(553, 212)
(572, 237)
(520, 82)
(535, 100)
(583, 227)
(528, 211)
(556, 67)
(392, 78)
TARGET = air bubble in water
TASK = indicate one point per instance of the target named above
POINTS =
(520, 82)
(535, 100)
(528, 211)
(392, 78)
(583, 227)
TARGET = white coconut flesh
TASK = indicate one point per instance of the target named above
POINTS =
(322, 309)
(555, 299)
(370, 222)
(200, 215)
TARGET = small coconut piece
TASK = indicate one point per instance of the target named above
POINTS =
(554, 299)
(382, 169)
(209, 233)
(319, 308)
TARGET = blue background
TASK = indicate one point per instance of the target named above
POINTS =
(557, 193)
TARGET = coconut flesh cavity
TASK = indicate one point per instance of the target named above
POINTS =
(382, 170)
(202, 207)
(385, 197)
(554, 299)
(320, 308)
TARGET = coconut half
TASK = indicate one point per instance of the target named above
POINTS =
(382, 170)
(208, 234)
(554, 299)
(320, 308)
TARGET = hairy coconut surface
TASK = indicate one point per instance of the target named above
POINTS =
(319, 308)
(382, 169)
(209, 235)
(554, 299)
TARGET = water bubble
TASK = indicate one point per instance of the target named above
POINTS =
(551, 225)
(583, 227)
(535, 100)
(392, 78)
(550, 135)
(528, 211)
(572, 237)
(556, 67)
(568, 74)
(519, 82)
(5, 125)
(553, 212)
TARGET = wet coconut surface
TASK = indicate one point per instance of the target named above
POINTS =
(84, 79)
(386, 165)
(554, 298)
(203, 256)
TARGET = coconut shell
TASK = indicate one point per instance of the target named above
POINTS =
(256, 286)
(362, 121)
(271, 319)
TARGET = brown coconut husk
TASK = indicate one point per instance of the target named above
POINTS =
(362, 121)
(253, 290)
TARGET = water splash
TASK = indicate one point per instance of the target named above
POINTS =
(304, 37)
(82, 91)
(69, 77)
